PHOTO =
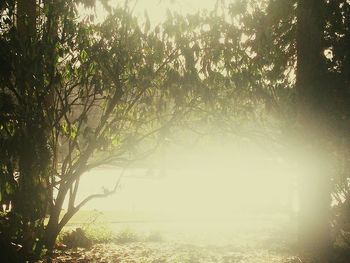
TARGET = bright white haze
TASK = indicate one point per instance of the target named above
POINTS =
(156, 9)
(212, 181)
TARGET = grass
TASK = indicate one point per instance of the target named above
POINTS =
(240, 240)
(88, 216)
(100, 234)
(104, 234)
(127, 235)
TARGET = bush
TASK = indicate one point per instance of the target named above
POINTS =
(154, 236)
(76, 238)
(127, 235)
(99, 234)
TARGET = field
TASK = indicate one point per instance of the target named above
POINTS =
(129, 237)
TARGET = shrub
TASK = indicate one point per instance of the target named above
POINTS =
(99, 234)
(127, 235)
(76, 238)
(154, 236)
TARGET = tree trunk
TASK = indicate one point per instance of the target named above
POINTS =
(314, 181)
(53, 227)
(49, 241)
(26, 15)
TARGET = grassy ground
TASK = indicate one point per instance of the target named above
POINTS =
(164, 252)
(138, 238)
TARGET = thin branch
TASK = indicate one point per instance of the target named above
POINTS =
(71, 212)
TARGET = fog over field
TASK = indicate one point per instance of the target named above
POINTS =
(213, 181)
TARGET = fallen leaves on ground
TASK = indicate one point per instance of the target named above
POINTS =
(147, 252)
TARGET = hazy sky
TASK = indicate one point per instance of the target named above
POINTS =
(156, 9)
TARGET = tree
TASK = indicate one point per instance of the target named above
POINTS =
(279, 71)
(22, 80)
(312, 107)
(82, 95)
(310, 45)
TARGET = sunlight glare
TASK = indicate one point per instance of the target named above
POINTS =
(157, 9)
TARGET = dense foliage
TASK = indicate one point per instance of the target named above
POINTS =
(76, 95)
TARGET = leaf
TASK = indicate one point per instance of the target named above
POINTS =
(83, 55)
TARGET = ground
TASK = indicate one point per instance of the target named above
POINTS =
(162, 252)
(241, 239)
